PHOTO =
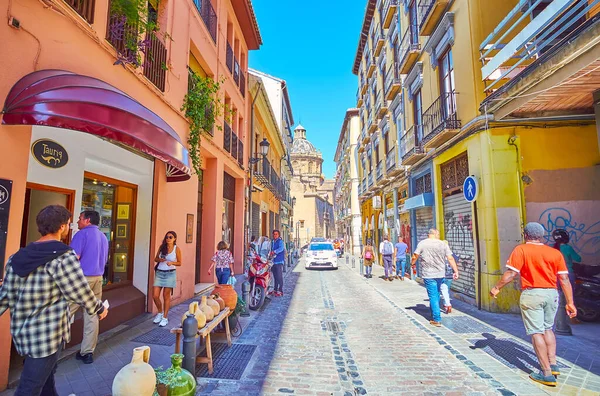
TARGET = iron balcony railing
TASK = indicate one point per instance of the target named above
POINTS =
(155, 61)
(410, 42)
(364, 185)
(392, 77)
(85, 8)
(410, 142)
(208, 111)
(227, 137)
(379, 170)
(236, 72)
(390, 159)
(440, 115)
(240, 157)
(425, 7)
(370, 179)
(243, 84)
(393, 31)
(387, 7)
(229, 58)
(209, 17)
(377, 103)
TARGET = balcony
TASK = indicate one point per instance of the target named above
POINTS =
(393, 83)
(379, 170)
(390, 161)
(371, 66)
(363, 83)
(440, 121)
(430, 12)
(389, 13)
(378, 40)
(155, 61)
(542, 59)
(372, 126)
(370, 179)
(85, 8)
(383, 106)
(377, 104)
(242, 84)
(232, 144)
(409, 49)
(229, 58)
(364, 186)
(411, 149)
(359, 99)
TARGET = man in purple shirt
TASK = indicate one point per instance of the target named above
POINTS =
(91, 247)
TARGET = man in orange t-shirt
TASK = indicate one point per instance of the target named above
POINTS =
(539, 266)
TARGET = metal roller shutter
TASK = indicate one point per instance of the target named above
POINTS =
(458, 226)
(424, 222)
(255, 220)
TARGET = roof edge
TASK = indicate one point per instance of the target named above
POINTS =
(364, 33)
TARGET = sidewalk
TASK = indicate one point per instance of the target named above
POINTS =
(115, 349)
(495, 345)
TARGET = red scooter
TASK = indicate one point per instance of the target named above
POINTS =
(259, 276)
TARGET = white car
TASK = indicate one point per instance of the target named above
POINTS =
(321, 255)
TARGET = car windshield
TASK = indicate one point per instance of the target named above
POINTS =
(321, 246)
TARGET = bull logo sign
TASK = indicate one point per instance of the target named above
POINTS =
(4, 195)
(49, 153)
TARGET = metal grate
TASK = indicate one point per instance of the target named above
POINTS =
(160, 336)
(465, 325)
(509, 352)
(229, 362)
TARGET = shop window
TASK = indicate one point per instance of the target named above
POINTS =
(115, 201)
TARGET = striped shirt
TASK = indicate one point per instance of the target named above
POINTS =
(39, 304)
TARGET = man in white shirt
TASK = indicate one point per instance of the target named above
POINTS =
(386, 249)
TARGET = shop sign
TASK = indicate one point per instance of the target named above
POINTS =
(5, 195)
(376, 202)
(49, 153)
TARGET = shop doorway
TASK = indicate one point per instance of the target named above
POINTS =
(198, 271)
(37, 197)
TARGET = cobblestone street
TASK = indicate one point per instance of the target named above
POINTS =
(335, 332)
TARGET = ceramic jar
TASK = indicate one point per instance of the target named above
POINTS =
(221, 302)
(183, 383)
(228, 294)
(208, 311)
(136, 378)
(214, 305)
(198, 314)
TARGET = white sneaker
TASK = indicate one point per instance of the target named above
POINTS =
(164, 322)
(158, 317)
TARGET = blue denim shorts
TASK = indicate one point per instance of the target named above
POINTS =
(538, 309)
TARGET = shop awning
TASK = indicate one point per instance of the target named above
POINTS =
(67, 100)
(419, 201)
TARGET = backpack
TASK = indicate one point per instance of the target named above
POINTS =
(388, 248)
(369, 255)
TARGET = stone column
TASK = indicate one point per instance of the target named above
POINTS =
(396, 214)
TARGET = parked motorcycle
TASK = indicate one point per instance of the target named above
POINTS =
(587, 292)
(259, 277)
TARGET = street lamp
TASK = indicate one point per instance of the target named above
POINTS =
(263, 151)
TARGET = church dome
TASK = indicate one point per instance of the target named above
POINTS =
(301, 146)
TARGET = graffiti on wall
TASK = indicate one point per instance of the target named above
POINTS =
(584, 231)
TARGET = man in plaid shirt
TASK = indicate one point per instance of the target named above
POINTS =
(41, 281)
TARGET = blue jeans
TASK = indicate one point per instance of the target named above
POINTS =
(368, 269)
(433, 291)
(223, 275)
(400, 266)
(37, 377)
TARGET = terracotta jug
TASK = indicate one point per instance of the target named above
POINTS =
(214, 305)
(208, 311)
(136, 378)
(198, 314)
(220, 301)
(228, 294)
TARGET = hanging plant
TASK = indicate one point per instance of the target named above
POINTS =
(202, 107)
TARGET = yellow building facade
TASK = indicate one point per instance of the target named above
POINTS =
(521, 124)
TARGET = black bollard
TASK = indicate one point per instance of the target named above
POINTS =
(246, 298)
(561, 324)
(190, 327)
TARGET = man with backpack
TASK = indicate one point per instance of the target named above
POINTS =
(386, 248)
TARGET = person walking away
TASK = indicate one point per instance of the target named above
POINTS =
(433, 254)
(168, 258)
(278, 253)
(264, 249)
(539, 266)
(368, 255)
(223, 261)
(387, 253)
(447, 282)
(400, 252)
(561, 242)
(91, 247)
(41, 280)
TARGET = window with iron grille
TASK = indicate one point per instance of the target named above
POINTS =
(255, 231)
(454, 173)
(423, 184)
(228, 187)
(85, 8)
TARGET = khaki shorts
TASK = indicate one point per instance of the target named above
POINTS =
(538, 309)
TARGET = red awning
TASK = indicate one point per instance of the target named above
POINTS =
(67, 100)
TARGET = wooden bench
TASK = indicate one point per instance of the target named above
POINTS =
(205, 333)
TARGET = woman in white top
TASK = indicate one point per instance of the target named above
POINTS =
(168, 258)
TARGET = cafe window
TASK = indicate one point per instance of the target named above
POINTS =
(115, 202)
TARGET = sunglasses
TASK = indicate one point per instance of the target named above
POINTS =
(170, 237)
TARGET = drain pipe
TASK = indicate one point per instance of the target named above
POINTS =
(511, 142)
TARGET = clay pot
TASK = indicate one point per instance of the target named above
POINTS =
(228, 294)
(136, 378)
(208, 311)
(214, 305)
(221, 302)
(198, 314)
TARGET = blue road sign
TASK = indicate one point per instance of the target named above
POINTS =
(470, 188)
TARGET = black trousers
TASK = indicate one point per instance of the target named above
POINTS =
(37, 377)
(278, 277)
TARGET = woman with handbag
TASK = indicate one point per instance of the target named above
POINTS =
(368, 255)
(223, 261)
(168, 258)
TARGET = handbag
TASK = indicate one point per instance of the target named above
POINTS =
(368, 255)
(232, 281)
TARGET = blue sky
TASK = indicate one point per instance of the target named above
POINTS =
(311, 44)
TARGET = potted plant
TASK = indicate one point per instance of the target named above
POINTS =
(234, 316)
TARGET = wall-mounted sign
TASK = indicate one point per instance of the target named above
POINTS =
(470, 188)
(49, 153)
(376, 202)
(5, 195)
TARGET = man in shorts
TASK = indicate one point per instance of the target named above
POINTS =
(539, 266)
